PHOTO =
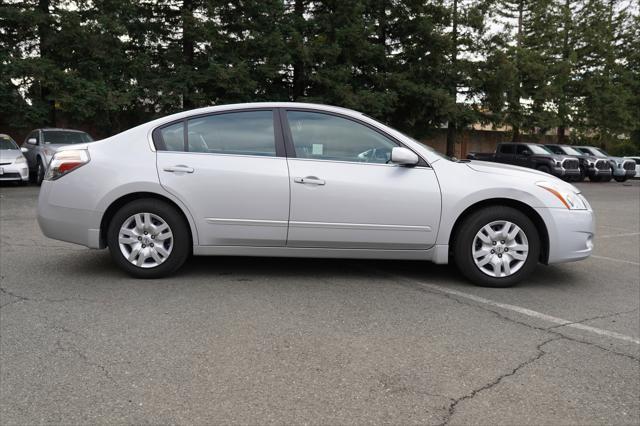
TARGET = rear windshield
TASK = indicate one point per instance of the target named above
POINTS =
(60, 137)
(7, 143)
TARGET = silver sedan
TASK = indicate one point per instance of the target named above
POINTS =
(305, 180)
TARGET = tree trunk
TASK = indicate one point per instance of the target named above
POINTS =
(188, 52)
(298, 63)
(44, 32)
(451, 127)
(515, 134)
(561, 134)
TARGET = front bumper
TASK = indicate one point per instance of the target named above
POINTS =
(592, 171)
(14, 172)
(65, 223)
(562, 172)
(570, 232)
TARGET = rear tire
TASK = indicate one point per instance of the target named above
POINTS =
(153, 234)
(466, 247)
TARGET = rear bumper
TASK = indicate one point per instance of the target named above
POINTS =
(68, 224)
(15, 172)
(570, 232)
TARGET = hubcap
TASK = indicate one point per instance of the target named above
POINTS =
(145, 240)
(500, 248)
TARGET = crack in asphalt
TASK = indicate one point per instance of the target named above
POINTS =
(615, 314)
(540, 353)
(20, 298)
(83, 356)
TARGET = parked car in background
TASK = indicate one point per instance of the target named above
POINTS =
(533, 156)
(13, 165)
(41, 144)
(305, 180)
(621, 168)
(595, 168)
(637, 160)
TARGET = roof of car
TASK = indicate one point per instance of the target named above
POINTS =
(58, 129)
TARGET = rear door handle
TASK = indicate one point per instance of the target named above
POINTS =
(309, 180)
(180, 168)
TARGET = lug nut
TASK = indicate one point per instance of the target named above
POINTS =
(145, 232)
(502, 242)
(498, 255)
(139, 238)
(493, 251)
(143, 246)
(151, 245)
(153, 237)
(494, 243)
(506, 249)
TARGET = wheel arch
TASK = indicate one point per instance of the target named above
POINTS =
(509, 202)
(127, 198)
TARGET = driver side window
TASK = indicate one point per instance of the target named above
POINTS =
(328, 137)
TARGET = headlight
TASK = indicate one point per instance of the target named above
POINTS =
(558, 163)
(570, 199)
(20, 160)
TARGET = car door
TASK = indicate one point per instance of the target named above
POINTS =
(522, 155)
(346, 195)
(230, 170)
(507, 153)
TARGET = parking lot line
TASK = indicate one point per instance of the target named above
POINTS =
(615, 260)
(629, 234)
(529, 312)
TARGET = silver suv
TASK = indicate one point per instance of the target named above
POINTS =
(41, 144)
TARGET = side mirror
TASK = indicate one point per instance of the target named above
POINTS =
(404, 156)
(526, 152)
(24, 150)
(32, 141)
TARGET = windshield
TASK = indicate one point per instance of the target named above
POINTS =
(537, 149)
(571, 151)
(59, 137)
(601, 152)
(7, 143)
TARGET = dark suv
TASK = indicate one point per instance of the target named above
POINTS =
(533, 156)
(597, 169)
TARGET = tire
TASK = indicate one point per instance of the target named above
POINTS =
(580, 177)
(595, 178)
(620, 178)
(544, 169)
(175, 250)
(466, 241)
(40, 171)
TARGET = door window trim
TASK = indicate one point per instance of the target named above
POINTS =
(159, 144)
(290, 147)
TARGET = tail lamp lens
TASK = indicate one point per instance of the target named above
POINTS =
(64, 162)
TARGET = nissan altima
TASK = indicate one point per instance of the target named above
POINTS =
(305, 180)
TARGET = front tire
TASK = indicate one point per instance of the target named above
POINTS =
(620, 178)
(148, 238)
(496, 246)
(544, 169)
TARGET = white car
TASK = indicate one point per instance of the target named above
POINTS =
(637, 160)
(13, 164)
(305, 180)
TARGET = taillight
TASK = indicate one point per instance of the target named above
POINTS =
(64, 162)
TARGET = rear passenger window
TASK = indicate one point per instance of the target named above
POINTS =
(240, 133)
(173, 137)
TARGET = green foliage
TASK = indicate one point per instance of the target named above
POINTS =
(415, 64)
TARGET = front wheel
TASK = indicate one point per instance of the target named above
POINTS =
(544, 169)
(148, 238)
(497, 246)
(620, 178)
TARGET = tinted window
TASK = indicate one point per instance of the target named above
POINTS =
(536, 149)
(65, 138)
(521, 149)
(241, 133)
(327, 137)
(173, 137)
(507, 149)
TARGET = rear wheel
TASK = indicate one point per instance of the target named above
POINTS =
(497, 246)
(148, 238)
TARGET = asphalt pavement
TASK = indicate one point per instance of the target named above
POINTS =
(304, 341)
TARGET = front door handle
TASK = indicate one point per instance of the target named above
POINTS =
(180, 168)
(309, 180)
